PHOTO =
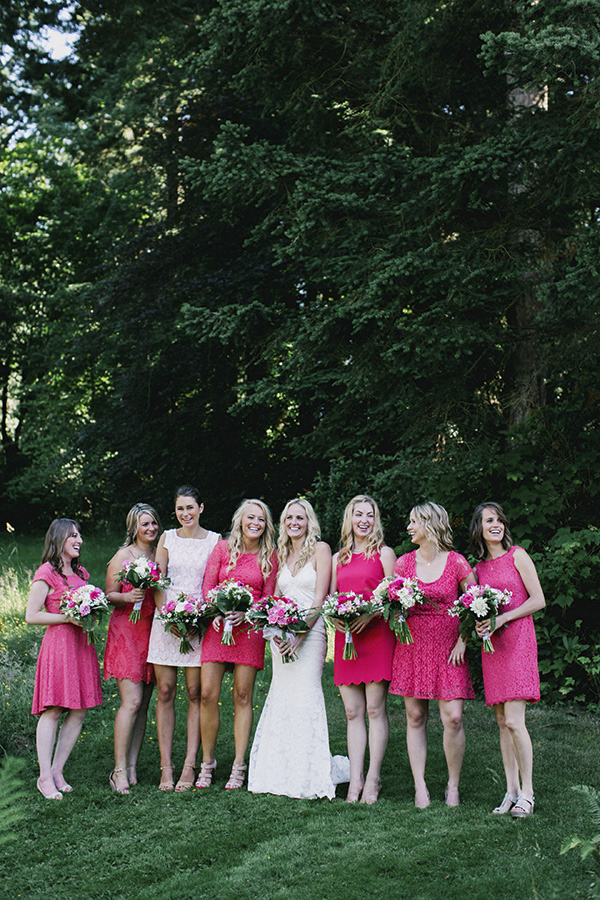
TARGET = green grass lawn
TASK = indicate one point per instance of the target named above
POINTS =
(237, 846)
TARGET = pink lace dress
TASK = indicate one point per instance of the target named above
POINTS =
(421, 669)
(67, 674)
(249, 647)
(187, 564)
(511, 671)
(374, 645)
(127, 642)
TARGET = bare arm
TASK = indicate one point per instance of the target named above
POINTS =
(114, 595)
(458, 652)
(162, 560)
(535, 600)
(35, 612)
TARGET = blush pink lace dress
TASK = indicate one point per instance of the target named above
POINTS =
(249, 647)
(421, 669)
(511, 671)
(67, 674)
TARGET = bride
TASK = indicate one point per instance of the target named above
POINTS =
(290, 754)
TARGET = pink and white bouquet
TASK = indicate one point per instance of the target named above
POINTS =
(187, 613)
(479, 601)
(86, 604)
(347, 606)
(143, 573)
(278, 617)
(228, 597)
(398, 596)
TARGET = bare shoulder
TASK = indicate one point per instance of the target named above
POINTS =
(387, 554)
(323, 550)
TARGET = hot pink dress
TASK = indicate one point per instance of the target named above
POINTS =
(511, 671)
(127, 642)
(68, 674)
(374, 645)
(249, 647)
(421, 669)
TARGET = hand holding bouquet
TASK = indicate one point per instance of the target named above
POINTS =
(142, 573)
(479, 602)
(225, 598)
(86, 604)
(346, 607)
(187, 613)
(278, 617)
(398, 596)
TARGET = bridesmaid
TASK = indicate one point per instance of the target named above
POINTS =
(510, 674)
(182, 554)
(359, 566)
(248, 556)
(127, 646)
(290, 754)
(434, 667)
(67, 678)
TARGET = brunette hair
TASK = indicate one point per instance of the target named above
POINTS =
(133, 518)
(312, 536)
(476, 541)
(436, 524)
(57, 534)
(188, 490)
(375, 539)
(266, 544)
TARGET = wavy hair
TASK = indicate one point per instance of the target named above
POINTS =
(375, 539)
(57, 534)
(476, 542)
(312, 536)
(266, 544)
(133, 519)
(436, 524)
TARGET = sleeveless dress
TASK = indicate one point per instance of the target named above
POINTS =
(511, 671)
(187, 563)
(290, 754)
(67, 674)
(249, 647)
(127, 642)
(421, 669)
(375, 644)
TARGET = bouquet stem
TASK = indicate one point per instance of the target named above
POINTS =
(134, 615)
(403, 631)
(349, 648)
(228, 638)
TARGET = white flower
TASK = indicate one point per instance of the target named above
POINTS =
(479, 607)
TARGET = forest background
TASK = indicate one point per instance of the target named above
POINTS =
(281, 247)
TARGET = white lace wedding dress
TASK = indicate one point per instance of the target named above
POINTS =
(290, 754)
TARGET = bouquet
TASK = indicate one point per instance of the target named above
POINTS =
(347, 606)
(141, 573)
(228, 597)
(277, 616)
(397, 596)
(187, 612)
(86, 604)
(479, 601)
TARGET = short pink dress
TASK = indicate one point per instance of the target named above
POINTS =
(421, 669)
(249, 647)
(67, 674)
(127, 642)
(375, 645)
(511, 671)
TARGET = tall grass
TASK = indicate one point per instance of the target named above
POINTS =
(238, 846)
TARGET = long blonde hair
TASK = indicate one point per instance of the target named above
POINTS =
(266, 543)
(435, 523)
(375, 539)
(312, 536)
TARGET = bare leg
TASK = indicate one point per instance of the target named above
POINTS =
(454, 745)
(166, 682)
(417, 713)
(192, 682)
(139, 730)
(45, 736)
(243, 690)
(355, 704)
(514, 716)
(212, 678)
(68, 734)
(376, 696)
(131, 699)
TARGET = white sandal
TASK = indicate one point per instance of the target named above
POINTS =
(205, 776)
(519, 811)
(507, 804)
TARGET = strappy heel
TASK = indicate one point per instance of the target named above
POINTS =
(182, 786)
(113, 783)
(519, 810)
(508, 801)
(236, 779)
(207, 770)
(166, 785)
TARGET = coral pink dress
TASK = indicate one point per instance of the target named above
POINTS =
(511, 671)
(375, 644)
(127, 642)
(68, 674)
(421, 669)
(249, 647)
